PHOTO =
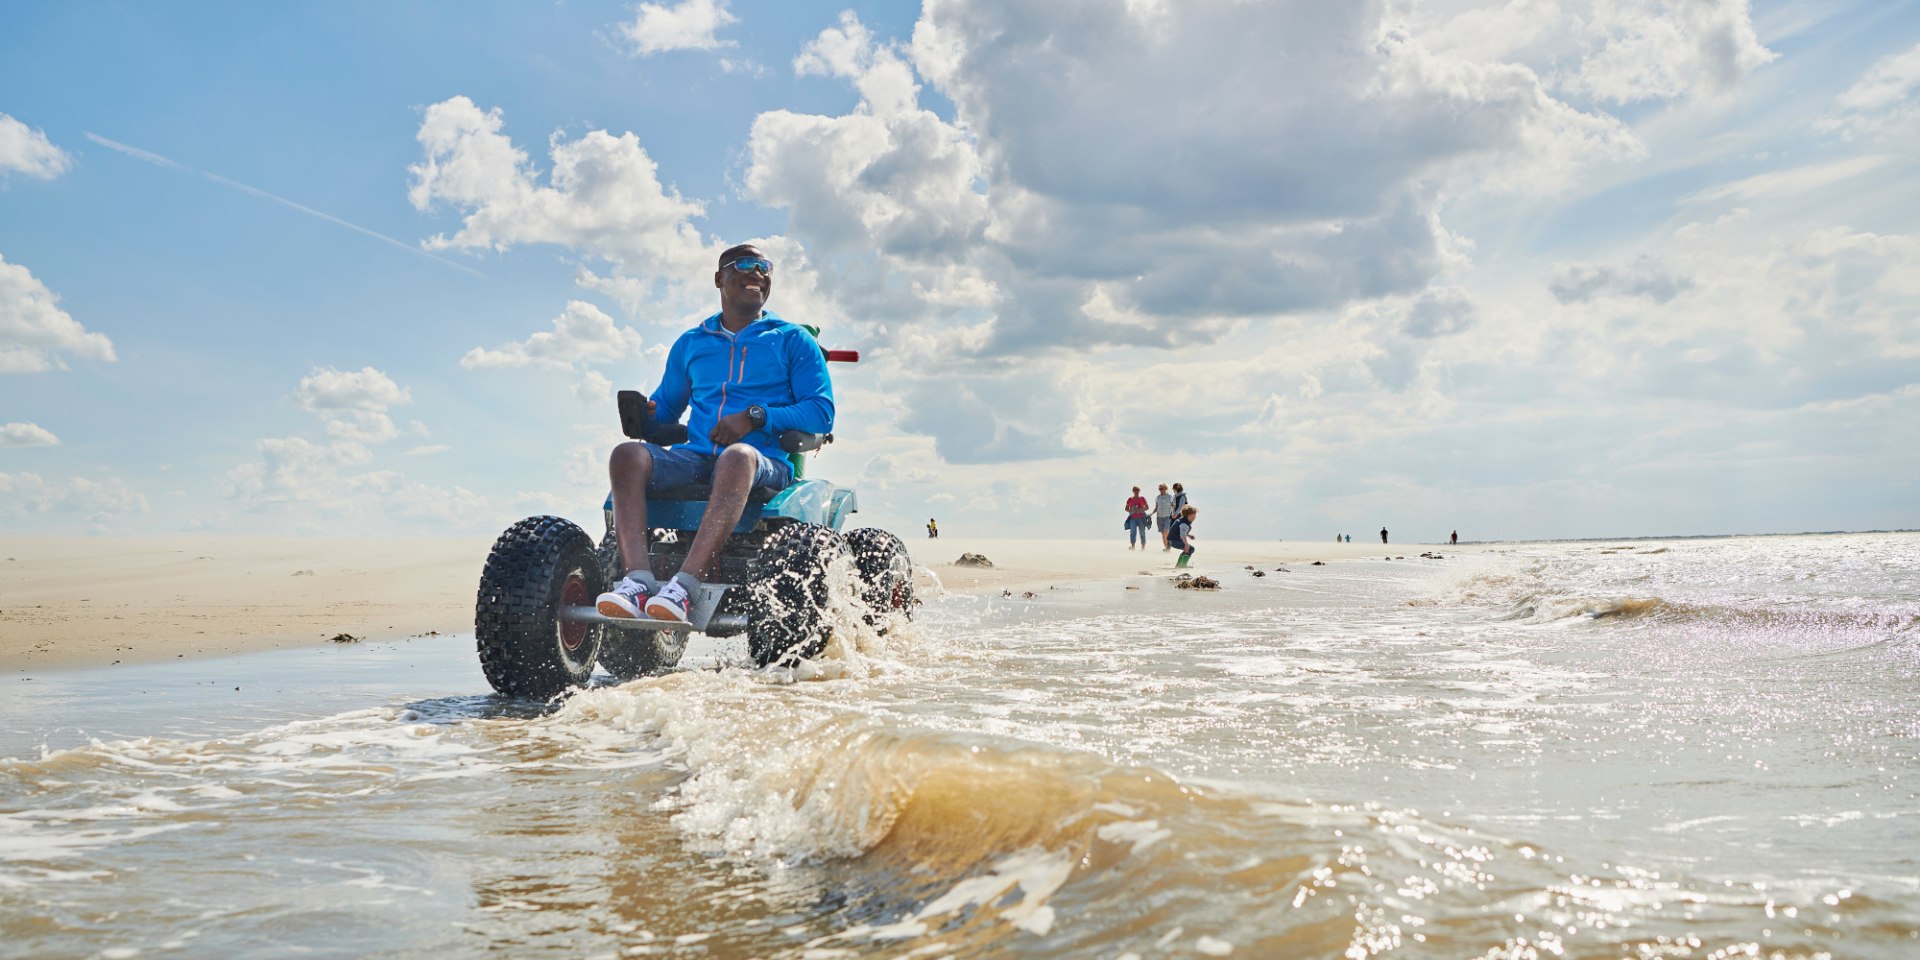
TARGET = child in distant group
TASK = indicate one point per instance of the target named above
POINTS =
(933, 530)
(1180, 534)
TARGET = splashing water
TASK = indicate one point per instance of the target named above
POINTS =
(1698, 748)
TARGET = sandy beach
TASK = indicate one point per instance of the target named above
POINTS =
(85, 602)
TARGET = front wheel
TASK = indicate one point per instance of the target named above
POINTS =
(787, 594)
(537, 568)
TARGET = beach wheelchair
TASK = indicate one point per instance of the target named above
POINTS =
(535, 623)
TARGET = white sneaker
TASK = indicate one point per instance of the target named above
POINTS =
(625, 599)
(670, 603)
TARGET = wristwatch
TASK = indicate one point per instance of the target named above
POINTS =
(758, 414)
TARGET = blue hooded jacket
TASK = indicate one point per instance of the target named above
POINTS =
(771, 362)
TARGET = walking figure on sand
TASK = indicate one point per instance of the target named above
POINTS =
(1136, 523)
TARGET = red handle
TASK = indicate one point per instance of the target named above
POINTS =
(843, 356)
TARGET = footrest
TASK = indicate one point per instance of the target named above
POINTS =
(700, 614)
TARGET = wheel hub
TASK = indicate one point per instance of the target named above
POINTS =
(572, 594)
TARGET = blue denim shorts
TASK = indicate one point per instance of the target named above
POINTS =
(679, 467)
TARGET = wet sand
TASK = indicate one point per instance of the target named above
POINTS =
(94, 602)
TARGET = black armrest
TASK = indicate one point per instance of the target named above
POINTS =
(635, 424)
(799, 441)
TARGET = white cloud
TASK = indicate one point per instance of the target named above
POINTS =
(314, 485)
(604, 196)
(594, 389)
(34, 331)
(688, 25)
(582, 334)
(1081, 199)
(353, 404)
(26, 435)
(1076, 131)
(1787, 183)
(365, 389)
(1662, 49)
(28, 151)
(1889, 81)
(98, 503)
(1882, 105)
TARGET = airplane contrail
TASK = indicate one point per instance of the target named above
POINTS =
(160, 161)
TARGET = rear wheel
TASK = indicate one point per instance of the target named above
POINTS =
(538, 567)
(886, 573)
(787, 596)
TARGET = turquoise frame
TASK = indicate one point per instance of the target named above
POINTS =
(807, 501)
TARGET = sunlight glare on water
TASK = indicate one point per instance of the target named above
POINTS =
(1690, 748)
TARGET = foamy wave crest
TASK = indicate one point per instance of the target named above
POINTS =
(1543, 609)
(963, 823)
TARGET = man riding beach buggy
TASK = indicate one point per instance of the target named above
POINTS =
(753, 539)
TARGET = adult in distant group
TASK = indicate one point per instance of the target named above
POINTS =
(1163, 514)
(933, 530)
(1456, 537)
(1136, 520)
(1383, 534)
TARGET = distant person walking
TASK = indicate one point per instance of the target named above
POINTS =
(1163, 514)
(1180, 534)
(1456, 537)
(1136, 520)
(933, 530)
(1383, 534)
(1179, 499)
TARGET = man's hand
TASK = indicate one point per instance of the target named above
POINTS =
(730, 429)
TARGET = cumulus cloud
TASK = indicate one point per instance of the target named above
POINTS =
(582, 334)
(1645, 277)
(603, 195)
(1088, 200)
(34, 331)
(1660, 49)
(688, 25)
(26, 435)
(1156, 176)
(891, 176)
(364, 389)
(353, 405)
(27, 151)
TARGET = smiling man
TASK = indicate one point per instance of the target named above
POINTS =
(749, 376)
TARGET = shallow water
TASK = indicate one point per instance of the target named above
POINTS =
(1695, 748)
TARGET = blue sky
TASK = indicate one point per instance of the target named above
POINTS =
(1585, 268)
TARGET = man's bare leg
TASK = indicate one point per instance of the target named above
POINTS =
(732, 481)
(630, 467)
